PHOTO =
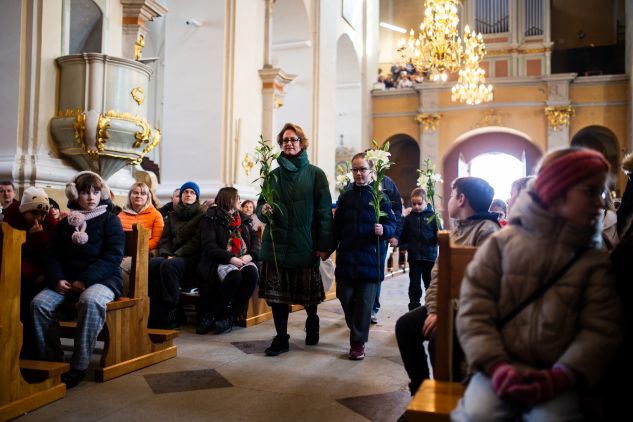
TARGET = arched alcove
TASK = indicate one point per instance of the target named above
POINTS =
(405, 152)
(86, 22)
(603, 140)
(348, 95)
(292, 52)
(491, 139)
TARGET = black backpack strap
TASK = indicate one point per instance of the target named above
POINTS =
(542, 289)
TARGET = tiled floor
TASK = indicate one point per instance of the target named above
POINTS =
(228, 378)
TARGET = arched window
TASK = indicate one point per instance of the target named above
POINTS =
(86, 21)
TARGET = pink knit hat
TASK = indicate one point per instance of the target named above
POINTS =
(563, 172)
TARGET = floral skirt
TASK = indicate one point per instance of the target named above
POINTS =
(301, 286)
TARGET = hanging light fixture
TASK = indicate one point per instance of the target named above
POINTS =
(438, 50)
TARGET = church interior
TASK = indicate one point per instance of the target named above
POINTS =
(169, 91)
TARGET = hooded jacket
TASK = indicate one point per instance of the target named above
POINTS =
(419, 235)
(180, 236)
(574, 323)
(96, 262)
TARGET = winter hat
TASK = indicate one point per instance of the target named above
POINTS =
(34, 199)
(193, 186)
(71, 188)
(53, 203)
(565, 171)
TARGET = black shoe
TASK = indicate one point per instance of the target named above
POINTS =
(205, 324)
(413, 306)
(73, 377)
(312, 330)
(224, 325)
(279, 345)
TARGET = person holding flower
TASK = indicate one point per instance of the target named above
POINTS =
(361, 251)
(298, 232)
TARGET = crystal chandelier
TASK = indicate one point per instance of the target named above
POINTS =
(438, 50)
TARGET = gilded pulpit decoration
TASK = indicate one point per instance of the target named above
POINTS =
(429, 121)
(559, 116)
(248, 164)
(138, 95)
(138, 47)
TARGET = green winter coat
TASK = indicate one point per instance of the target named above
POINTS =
(303, 225)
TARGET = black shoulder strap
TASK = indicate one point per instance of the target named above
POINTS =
(542, 289)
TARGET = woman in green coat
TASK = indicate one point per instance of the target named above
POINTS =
(302, 229)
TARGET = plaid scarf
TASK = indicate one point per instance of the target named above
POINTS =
(236, 243)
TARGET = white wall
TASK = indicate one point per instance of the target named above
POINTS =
(10, 31)
(193, 96)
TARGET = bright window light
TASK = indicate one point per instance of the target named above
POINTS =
(393, 27)
(498, 169)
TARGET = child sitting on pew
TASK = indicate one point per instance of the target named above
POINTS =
(83, 266)
(32, 216)
(472, 225)
(538, 315)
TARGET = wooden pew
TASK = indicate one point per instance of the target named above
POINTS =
(436, 398)
(17, 395)
(128, 344)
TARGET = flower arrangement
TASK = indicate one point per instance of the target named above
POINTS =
(379, 157)
(265, 155)
(428, 180)
(343, 176)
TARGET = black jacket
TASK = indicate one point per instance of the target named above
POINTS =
(419, 236)
(214, 238)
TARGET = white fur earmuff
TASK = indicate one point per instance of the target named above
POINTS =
(71, 187)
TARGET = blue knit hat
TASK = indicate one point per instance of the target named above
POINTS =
(193, 186)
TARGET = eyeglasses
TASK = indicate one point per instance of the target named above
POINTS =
(594, 192)
(289, 140)
(360, 170)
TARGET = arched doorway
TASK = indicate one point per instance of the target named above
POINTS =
(405, 152)
(488, 140)
(601, 139)
(292, 51)
(348, 96)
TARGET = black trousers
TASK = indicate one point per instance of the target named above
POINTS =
(231, 296)
(419, 272)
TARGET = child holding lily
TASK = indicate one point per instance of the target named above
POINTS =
(361, 251)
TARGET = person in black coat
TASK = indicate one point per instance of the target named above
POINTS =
(227, 269)
(361, 252)
(82, 265)
(419, 239)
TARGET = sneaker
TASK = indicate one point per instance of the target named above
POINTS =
(205, 324)
(312, 331)
(357, 350)
(73, 377)
(279, 345)
(223, 326)
(374, 317)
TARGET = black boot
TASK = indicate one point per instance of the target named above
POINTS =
(224, 325)
(312, 330)
(279, 345)
(73, 377)
(205, 324)
(170, 318)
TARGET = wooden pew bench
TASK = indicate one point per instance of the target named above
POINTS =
(436, 398)
(25, 385)
(128, 344)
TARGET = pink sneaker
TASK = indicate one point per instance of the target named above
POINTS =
(357, 351)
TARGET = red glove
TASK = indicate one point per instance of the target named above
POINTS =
(540, 386)
(505, 376)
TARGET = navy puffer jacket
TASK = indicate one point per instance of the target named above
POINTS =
(354, 221)
(419, 236)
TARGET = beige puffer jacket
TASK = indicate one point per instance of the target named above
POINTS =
(576, 322)
(467, 233)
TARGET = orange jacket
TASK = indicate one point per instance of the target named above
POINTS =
(149, 218)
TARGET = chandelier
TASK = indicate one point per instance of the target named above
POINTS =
(438, 50)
